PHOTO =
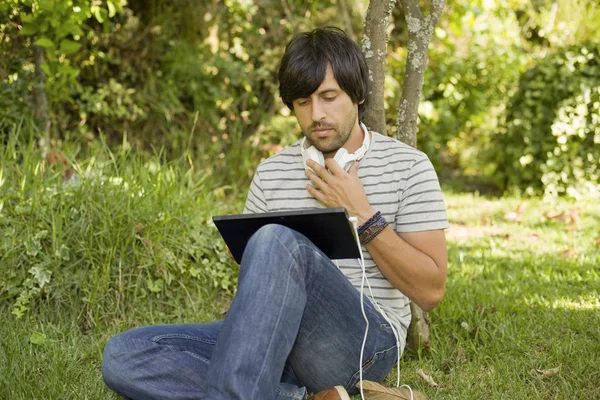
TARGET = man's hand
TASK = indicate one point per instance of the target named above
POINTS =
(335, 187)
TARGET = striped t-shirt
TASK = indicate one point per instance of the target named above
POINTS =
(400, 182)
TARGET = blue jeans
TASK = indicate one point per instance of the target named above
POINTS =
(294, 326)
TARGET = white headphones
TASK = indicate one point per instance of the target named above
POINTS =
(342, 157)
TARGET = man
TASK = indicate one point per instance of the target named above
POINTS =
(295, 325)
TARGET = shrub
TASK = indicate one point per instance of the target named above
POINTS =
(550, 141)
(105, 231)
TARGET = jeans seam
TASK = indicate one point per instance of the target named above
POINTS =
(367, 366)
(191, 353)
(181, 336)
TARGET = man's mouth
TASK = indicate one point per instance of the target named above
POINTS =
(322, 131)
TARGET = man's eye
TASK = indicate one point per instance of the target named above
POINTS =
(329, 98)
(302, 102)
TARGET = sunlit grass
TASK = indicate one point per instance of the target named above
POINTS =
(522, 296)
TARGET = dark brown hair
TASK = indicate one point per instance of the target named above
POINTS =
(305, 61)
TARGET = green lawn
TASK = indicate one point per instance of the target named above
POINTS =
(523, 295)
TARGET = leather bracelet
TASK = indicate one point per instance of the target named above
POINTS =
(373, 227)
(369, 222)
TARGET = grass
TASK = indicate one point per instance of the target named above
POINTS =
(523, 287)
(523, 295)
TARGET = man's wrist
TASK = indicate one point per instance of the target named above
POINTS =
(371, 228)
(364, 216)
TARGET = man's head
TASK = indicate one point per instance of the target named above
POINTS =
(323, 78)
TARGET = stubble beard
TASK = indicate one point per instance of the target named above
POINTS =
(329, 144)
(334, 142)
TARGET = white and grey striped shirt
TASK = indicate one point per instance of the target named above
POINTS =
(400, 182)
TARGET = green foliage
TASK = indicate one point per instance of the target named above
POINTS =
(58, 27)
(470, 75)
(550, 140)
(110, 229)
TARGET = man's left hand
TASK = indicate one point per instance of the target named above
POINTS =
(335, 187)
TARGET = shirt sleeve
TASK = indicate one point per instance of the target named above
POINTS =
(422, 205)
(255, 202)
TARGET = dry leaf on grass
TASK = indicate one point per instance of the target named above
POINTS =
(598, 240)
(426, 377)
(569, 217)
(568, 253)
(545, 372)
(515, 216)
(376, 391)
(533, 237)
(512, 216)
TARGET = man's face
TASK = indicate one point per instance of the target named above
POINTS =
(328, 117)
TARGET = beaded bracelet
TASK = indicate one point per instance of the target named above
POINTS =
(373, 227)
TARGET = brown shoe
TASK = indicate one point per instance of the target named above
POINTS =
(376, 391)
(334, 393)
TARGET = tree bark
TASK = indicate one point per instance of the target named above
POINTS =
(420, 32)
(374, 45)
(41, 112)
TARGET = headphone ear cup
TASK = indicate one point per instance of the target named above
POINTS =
(344, 159)
(312, 154)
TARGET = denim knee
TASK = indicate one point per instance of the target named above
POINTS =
(114, 364)
(268, 233)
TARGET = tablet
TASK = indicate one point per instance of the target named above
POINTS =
(328, 228)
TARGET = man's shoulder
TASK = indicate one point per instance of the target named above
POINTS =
(393, 149)
(289, 156)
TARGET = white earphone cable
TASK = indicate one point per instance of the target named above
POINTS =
(354, 221)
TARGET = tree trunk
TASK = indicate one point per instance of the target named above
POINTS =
(374, 45)
(40, 110)
(420, 30)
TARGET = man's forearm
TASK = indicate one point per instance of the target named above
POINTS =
(421, 277)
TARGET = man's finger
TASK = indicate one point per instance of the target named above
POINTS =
(314, 192)
(318, 170)
(334, 167)
(353, 169)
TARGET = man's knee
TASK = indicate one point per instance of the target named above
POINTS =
(116, 363)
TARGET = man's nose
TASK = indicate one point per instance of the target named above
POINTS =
(318, 111)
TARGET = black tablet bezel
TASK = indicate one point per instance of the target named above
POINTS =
(328, 228)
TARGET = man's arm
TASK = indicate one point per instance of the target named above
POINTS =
(415, 263)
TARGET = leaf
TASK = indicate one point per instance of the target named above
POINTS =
(111, 9)
(28, 30)
(512, 216)
(598, 241)
(533, 237)
(69, 47)
(156, 286)
(569, 217)
(376, 391)
(98, 13)
(426, 377)
(46, 5)
(45, 43)
(38, 338)
(569, 253)
(41, 275)
(545, 372)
